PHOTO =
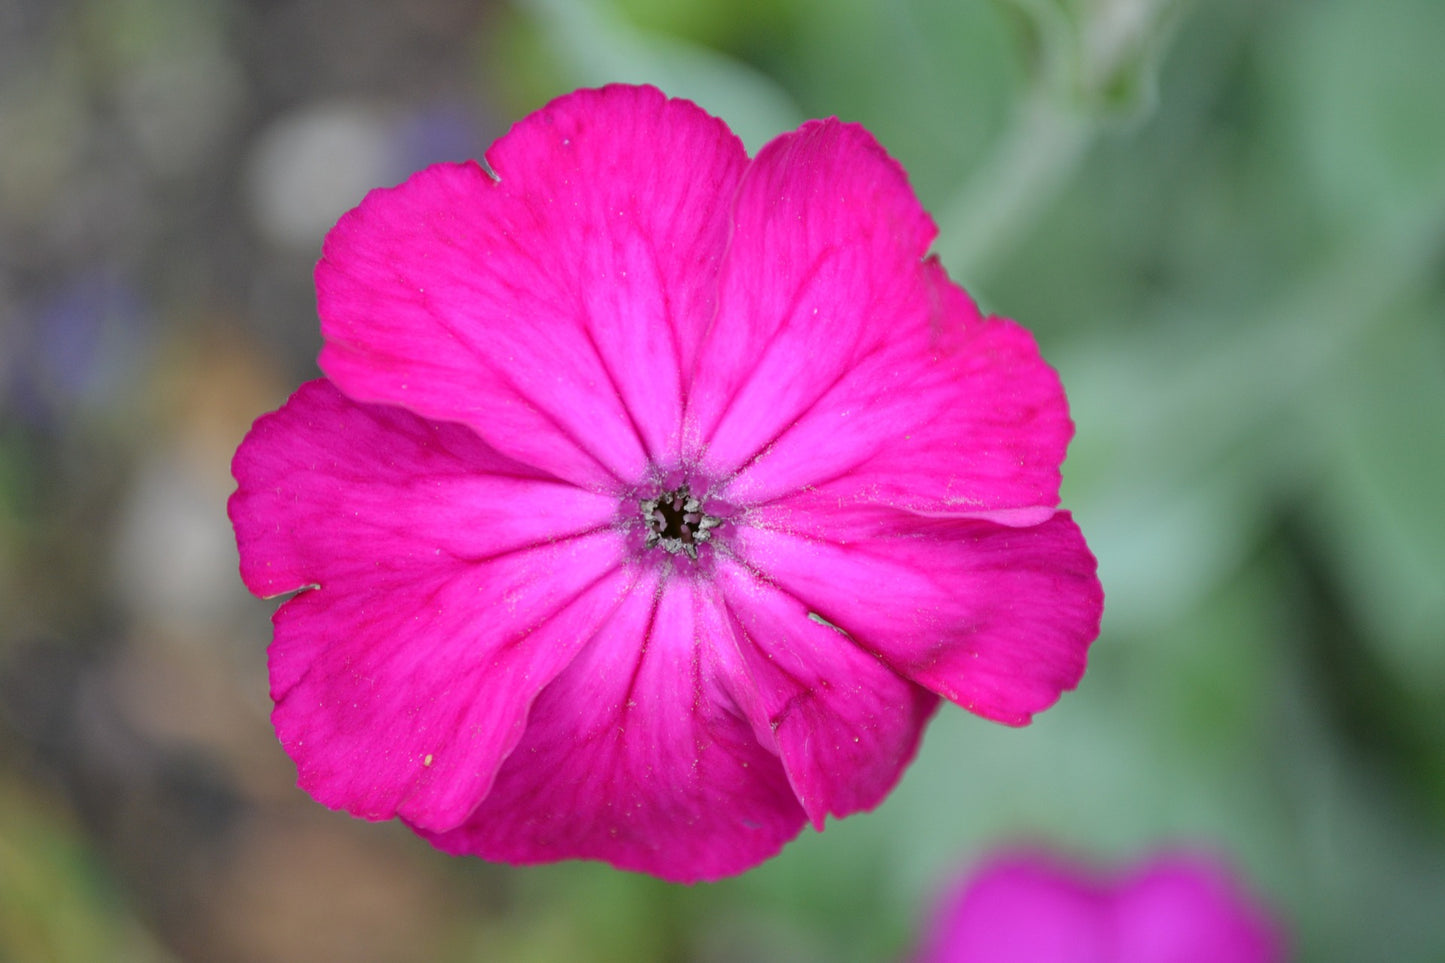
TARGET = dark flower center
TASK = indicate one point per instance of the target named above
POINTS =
(676, 522)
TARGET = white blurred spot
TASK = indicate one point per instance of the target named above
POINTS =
(174, 555)
(313, 165)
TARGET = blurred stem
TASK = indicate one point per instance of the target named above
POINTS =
(997, 206)
(1053, 125)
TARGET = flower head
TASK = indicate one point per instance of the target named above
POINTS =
(1177, 908)
(652, 497)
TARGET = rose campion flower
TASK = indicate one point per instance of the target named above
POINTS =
(653, 496)
(1178, 908)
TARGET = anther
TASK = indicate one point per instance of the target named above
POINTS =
(676, 522)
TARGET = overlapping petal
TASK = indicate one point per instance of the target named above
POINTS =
(842, 360)
(439, 598)
(639, 754)
(557, 310)
(844, 723)
(993, 617)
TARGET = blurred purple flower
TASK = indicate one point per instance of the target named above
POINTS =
(437, 132)
(77, 346)
(1179, 907)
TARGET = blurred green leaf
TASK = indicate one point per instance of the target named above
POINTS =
(1094, 59)
(728, 25)
(1381, 425)
(1361, 90)
(932, 79)
(1361, 876)
(598, 47)
(56, 902)
(1104, 55)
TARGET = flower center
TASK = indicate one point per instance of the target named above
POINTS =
(676, 522)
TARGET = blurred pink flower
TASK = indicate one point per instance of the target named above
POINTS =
(1177, 908)
(653, 496)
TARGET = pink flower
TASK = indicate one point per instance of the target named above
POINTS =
(652, 497)
(1177, 908)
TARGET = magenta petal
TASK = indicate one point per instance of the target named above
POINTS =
(826, 236)
(1023, 909)
(845, 724)
(1185, 908)
(842, 360)
(438, 599)
(557, 310)
(973, 425)
(995, 618)
(638, 754)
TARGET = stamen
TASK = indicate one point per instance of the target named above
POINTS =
(676, 522)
